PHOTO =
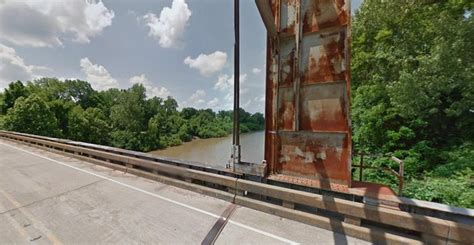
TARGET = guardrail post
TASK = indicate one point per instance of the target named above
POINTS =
(361, 170)
(235, 191)
(401, 169)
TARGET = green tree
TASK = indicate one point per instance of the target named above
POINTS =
(60, 108)
(413, 71)
(108, 99)
(153, 106)
(188, 112)
(82, 93)
(170, 105)
(14, 91)
(413, 90)
(88, 126)
(129, 112)
(31, 115)
(49, 89)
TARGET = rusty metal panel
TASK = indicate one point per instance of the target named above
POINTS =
(321, 14)
(287, 62)
(307, 105)
(318, 157)
(288, 16)
(323, 57)
(324, 108)
(286, 109)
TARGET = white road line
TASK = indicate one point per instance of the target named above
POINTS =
(157, 196)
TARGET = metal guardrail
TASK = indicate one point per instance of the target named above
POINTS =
(351, 218)
(399, 175)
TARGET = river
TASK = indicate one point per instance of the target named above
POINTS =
(216, 151)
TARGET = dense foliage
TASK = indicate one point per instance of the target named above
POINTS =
(413, 94)
(120, 118)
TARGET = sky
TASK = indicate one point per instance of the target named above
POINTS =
(178, 48)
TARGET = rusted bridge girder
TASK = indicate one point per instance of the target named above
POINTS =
(308, 132)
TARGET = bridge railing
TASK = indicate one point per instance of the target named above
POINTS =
(398, 174)
(372, 223)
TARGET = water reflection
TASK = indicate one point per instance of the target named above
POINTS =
(216, 151)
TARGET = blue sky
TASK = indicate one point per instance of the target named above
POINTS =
(182, 48)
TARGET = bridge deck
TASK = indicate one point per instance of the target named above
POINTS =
(49, 198)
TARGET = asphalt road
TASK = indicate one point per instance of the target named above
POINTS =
(47, 198)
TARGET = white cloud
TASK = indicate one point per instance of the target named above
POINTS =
(67, 78)
(13, 67)
(213, 103)
(207, 64)
(256, 70)
(198, 97)
(251, 93)
(198, 100)
(259, 98)
(230, 95)
(97, 75)
(139, 79)
(257, 104)
(226, 82)
(151, 91)
(160, 92)
(222, 82)
(170, 26)
(46, 23)
(246, 104)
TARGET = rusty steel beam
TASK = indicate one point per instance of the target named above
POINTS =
(268, 19)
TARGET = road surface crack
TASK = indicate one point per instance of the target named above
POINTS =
(51, 197)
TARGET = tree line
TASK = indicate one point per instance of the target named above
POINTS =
(413, 95)
(123, 118)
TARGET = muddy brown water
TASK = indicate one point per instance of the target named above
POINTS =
(216, 151)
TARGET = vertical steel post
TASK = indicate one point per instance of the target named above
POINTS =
(236, 129)
(361, 166)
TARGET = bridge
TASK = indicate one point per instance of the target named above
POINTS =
(47, 197)
(59, 191)
(55, 191)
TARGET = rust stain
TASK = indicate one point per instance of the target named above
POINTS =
(287, 115)
(289, 16)
(317, 183)
(287, 69)
(323, 14)
(324, 114)
(315, 156)
(326, 61)
(289, 29)
(323, 108)
(286, 110)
